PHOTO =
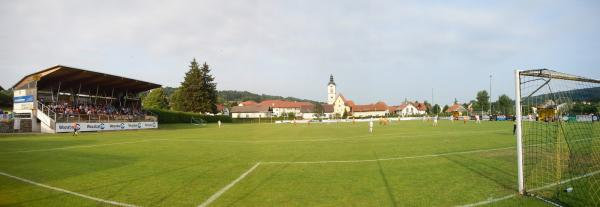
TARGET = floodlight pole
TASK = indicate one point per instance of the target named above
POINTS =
(519, 132)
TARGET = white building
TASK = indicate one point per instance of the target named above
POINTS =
(253, 111)
(282, 107)
(407, 109)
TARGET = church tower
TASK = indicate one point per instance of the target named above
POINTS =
(330, 90)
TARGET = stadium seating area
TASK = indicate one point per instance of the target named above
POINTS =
(67, 112)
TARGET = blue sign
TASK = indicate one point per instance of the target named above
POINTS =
(23, 99)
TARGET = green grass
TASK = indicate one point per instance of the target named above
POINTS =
(183, 165)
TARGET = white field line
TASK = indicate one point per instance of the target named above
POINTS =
(386, 159)
(489, 201)
(350, 138)
(81, 146)
(67, 192)
(532, 190)
(227, 187)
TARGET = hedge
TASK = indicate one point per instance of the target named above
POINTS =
(166, 116)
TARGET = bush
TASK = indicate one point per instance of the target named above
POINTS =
(166, 117)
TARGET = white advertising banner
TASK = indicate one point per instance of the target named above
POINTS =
(113, 126)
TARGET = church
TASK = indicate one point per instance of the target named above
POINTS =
(340, 104)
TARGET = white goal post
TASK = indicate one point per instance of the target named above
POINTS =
(557, 131)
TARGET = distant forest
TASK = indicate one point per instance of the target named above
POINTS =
(232, 96)
(587, 94)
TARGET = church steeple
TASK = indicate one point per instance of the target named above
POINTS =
(331, 91)
(331, 80)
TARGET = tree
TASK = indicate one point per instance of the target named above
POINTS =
(427, 107)
(435, 109)
(483, 101)
(155, 99)
(505, 104)
(445, 108)
(345, 115)
(209, 90)
(175, 102)
(318, 110)
(191, 96)
(198, 90)
(6, 98)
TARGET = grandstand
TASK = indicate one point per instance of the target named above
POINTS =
(51, 100)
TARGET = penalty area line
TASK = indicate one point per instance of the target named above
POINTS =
(67, 191)
(532, 190)
(227, 187)
(387, 159)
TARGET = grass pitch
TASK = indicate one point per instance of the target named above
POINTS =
(407, 163)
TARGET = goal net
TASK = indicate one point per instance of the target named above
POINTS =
(197, 121)
(559, 155)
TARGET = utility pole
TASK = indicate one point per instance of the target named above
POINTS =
(490, 101)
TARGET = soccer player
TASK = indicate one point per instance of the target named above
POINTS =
(477, 119)
(371, 126)
(219, 123)
(435, 120)
(75, 129)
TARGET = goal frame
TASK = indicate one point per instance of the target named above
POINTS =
(542, 74)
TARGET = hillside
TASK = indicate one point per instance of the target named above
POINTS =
(226, 96)
(588, 94)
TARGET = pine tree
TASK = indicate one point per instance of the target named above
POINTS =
(209, 90)
(192, 98)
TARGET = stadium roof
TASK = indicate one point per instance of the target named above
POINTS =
(71, 78)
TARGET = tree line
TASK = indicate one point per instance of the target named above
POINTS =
(198, 93)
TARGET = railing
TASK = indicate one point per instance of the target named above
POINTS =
(47, 110)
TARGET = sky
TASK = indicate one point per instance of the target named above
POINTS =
(377, 50)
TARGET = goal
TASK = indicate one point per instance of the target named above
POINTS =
(197, 121)
(558, 137)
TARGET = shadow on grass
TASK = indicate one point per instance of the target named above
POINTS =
(385, 181)
(28, 144)
(64, 165)
(263, 182)
(486, 170)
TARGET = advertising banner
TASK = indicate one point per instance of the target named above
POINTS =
(113, 126)
(23, 99)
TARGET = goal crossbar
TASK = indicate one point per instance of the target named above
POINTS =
(547, 73)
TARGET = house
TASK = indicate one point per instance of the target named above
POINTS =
(308, 112)
(421, 108)
(222, 110)
(251, 111)
(378, 109)
(247, 103)
(456, 109)
(282, 107)
(407, 109)
(328, 111)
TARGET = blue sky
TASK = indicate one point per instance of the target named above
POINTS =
(377, 50)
